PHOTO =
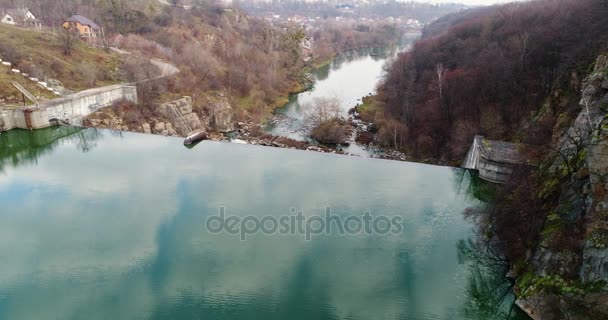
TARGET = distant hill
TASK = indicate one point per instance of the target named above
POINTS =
(423, 12)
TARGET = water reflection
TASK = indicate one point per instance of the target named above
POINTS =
(18, 148)
(115, 231)
(349, 77)
(489, 291)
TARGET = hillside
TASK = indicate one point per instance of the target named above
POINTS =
(487, 72)
(40, 55)
(534, 73)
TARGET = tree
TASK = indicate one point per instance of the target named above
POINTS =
(331, 132)
(68, 38)
(322, 110)
(489, 68)
(324, 115)
(440, 71)
(523, 43)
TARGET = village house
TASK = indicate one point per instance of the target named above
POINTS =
(306, 47)
(83, 25)
(19, 17)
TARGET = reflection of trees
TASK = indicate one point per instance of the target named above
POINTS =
(323, 72)
(19, 147)
(87, 139)
(489, 291)
(468, 183)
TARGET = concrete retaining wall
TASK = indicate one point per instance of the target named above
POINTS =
(70, 109)
(10, 119)
(489, 169)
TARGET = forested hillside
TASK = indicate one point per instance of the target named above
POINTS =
(219, 49)
(533, 72)
(484, 72)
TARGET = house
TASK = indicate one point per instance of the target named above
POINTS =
(306, 47)
(83, 25)
(19, 17)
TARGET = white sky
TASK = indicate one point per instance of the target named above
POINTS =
(471, 2)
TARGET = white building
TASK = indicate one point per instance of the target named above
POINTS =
(19, 17)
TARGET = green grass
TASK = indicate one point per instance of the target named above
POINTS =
(244, 103)
(368, 108)
(318, 64)
(12, 96)
(43, 52)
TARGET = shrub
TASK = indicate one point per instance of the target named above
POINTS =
(331, 132)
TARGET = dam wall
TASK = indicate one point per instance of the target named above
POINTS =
(70, 109)
(495, 160)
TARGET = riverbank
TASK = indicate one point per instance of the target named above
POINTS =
(223, 119)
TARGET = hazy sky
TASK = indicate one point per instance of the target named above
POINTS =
(471, 2)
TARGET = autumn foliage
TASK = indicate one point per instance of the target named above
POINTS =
(489, 71)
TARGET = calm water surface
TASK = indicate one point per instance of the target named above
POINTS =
(348, 78)
(106, 225)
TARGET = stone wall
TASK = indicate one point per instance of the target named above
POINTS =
(181, 115)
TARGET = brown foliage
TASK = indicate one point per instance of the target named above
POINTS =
(331, 132)
(497, 69)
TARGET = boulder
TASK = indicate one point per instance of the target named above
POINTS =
(159, 127)
(170, 130)
(146, 128)
(193, 121)
(221, 118)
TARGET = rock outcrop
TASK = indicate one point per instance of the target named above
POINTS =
(574, 283)
(221, 114)
(181, 115)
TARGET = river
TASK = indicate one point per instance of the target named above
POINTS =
(348, 78)
(97, 224)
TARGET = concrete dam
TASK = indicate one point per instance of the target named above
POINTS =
(495, 160)
(69, 109)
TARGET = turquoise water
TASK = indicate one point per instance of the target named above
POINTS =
(106, 225)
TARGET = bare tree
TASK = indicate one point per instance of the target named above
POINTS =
(323, 110)
(68, 38)
(523, 42)
(440, 73)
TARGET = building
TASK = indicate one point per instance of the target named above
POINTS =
(495, 160)
(306, 47)
(19, 17)
(83, 25)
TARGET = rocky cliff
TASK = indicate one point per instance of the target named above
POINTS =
(567, 275)
(179, 117)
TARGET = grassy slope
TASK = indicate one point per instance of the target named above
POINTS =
(11, 96)
(42, 51)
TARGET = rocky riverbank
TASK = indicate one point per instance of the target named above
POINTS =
(215, 116)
